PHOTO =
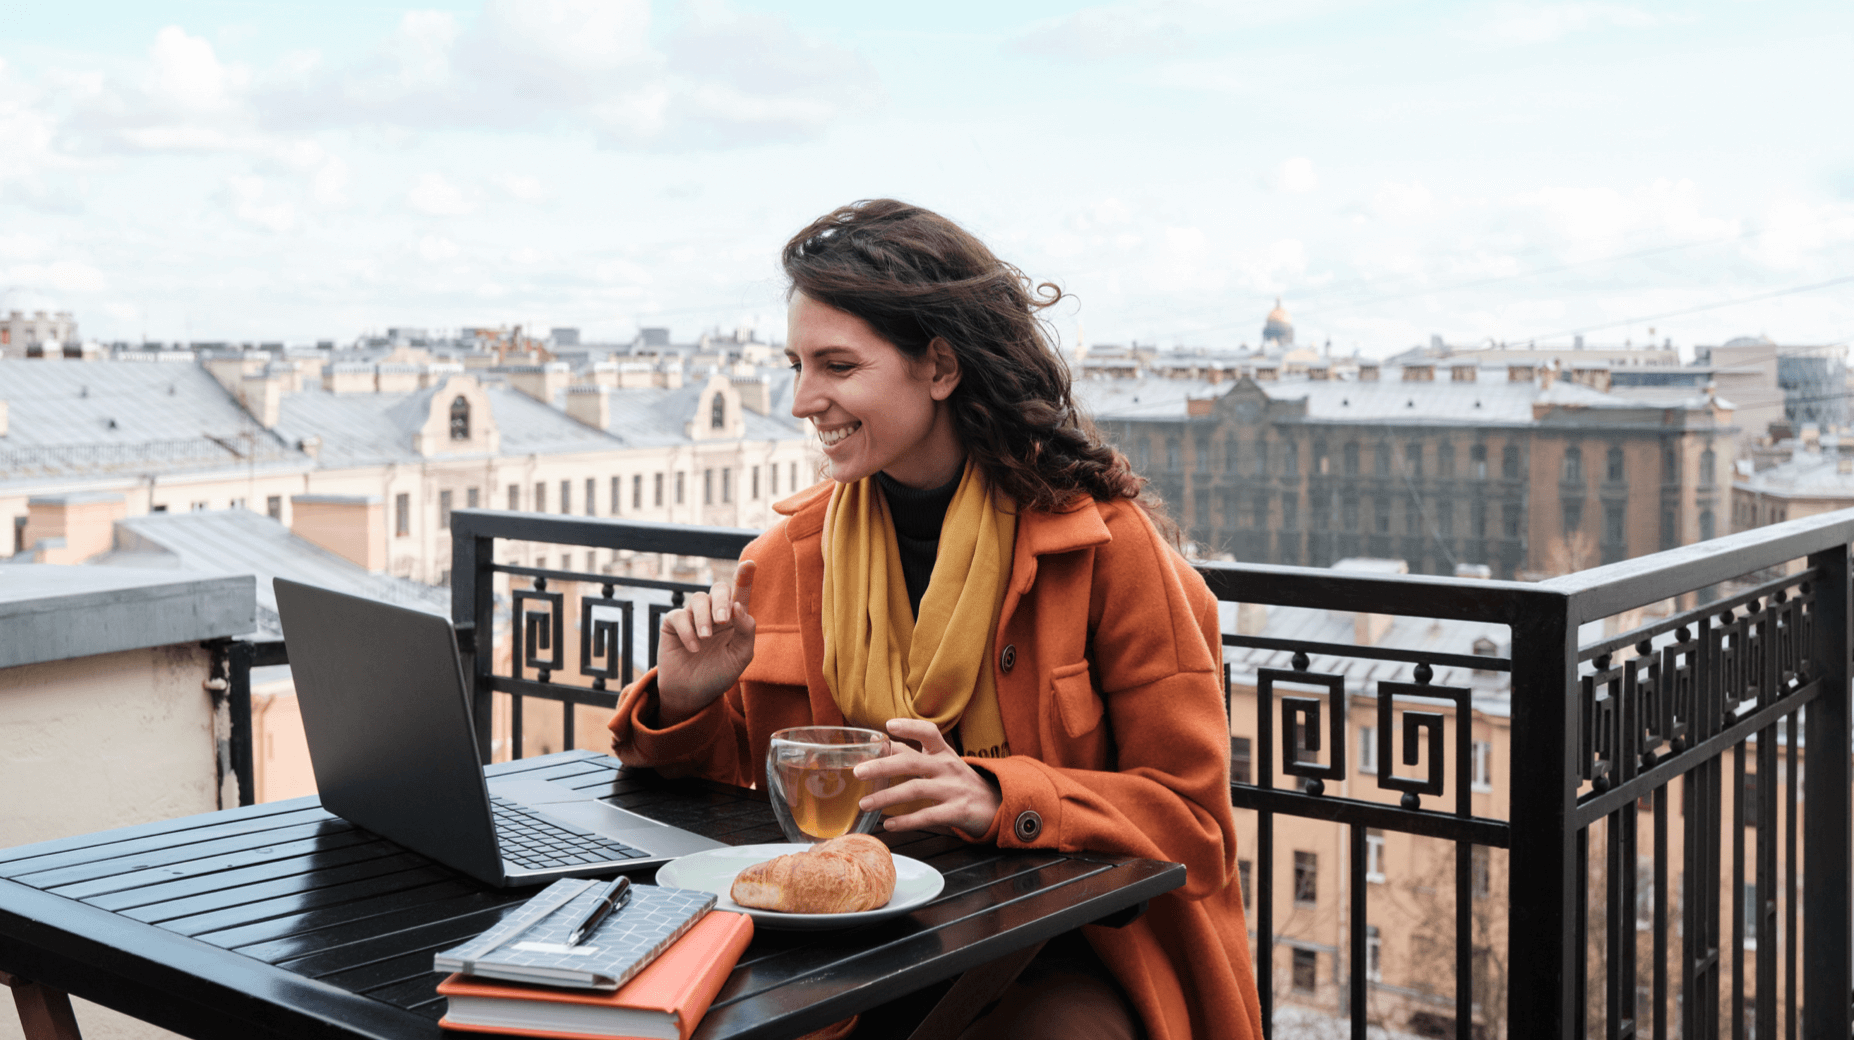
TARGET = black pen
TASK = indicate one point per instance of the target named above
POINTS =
(614, 896)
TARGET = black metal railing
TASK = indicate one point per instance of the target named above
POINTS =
(230, 686)
(1600, 733)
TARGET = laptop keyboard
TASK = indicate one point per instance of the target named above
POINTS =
(531, 841)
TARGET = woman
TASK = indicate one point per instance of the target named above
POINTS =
(979, 577)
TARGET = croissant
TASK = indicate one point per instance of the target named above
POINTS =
(843, 875)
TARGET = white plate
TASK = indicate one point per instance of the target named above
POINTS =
(714, 870)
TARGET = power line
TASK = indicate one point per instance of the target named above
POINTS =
(1696, 310)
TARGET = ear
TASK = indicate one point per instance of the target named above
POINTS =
(945, 372)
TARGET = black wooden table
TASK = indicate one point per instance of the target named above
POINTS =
(282, 920)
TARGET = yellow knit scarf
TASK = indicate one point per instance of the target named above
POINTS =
(883, 663)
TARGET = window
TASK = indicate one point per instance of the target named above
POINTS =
(708, 487)
(1480, 871)
(1708, 467)
(717, 413)
(772, 480)
(1477, 461)
(592, 495)
(1374, 954)
(471, 497)
(1374, 856)
(1477, 519)
(1513, 515)
(794, 473)
(1261, 458)
(1445, 459)
(727, 484)
(1239, 760)
(540, 497)
(1482, 774)
(1200, 460)
(1143, 451)
(1750, 924)
(152, 509)
(656, 489)
(514, 496)
(1306, 970)
(1573, 468)
(236, 503)
(1413, 460)
(1260, 511)
(273, 506)
(1368, 750)
(681, 481)
(444, 509)
(1381, 510)
(1750, 799)
(197, 507)
(1445, 519)
(637, 490)
(1670, 529)
(1612, 523)
(1351, 459)
(1290, 459)
(756, 483)
(1707, 525)
(618, 495)
(1171, 456)
(1243, 869)
(460, 419)
(1321, 463)
(1509, 462)
(1290, 513)
(1306, 877)
(1644, 895)
(1670, 465)
(1381, 460)
(566, 496)
(402, 514)
(1573, 509)
(1348, 516)
(1612, 472)
(19, 530)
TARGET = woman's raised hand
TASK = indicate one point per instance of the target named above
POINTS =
(703, 648)
(963, 797)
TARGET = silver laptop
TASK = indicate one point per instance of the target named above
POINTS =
(390, 736)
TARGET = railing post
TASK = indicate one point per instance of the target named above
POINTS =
(1827, 962)
(1542, 951)
(240, 656)
(473, 602)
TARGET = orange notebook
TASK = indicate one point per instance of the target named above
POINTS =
(665, 1001)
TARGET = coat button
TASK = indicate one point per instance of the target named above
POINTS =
(1008, 659)
(1028, 825)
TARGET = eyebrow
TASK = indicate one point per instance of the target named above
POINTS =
(820, 352)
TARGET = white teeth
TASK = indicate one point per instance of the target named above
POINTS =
(829, 437)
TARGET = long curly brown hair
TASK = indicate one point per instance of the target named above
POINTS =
(916, 276)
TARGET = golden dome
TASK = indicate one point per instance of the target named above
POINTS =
(1279, 328)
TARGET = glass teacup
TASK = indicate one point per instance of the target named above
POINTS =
(813, 789)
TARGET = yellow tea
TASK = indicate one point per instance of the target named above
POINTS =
(823, 799)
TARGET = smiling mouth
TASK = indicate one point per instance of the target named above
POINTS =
(830, 437)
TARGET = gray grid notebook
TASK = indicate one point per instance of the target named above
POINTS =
(530, 944)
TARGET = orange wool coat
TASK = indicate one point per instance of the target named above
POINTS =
(1117, 731)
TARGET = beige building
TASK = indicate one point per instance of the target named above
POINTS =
(38, 334)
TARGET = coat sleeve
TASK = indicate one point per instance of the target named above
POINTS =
(711, 743)
(1155, 654)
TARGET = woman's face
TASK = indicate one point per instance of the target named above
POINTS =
(875, 409)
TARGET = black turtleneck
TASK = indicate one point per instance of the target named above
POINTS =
(918, 515)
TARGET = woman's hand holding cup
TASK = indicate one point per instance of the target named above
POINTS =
(704, 646)
(962, 796)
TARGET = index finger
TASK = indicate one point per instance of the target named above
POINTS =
(743, 584)
(922, 732)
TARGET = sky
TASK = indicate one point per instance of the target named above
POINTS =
(210, 170)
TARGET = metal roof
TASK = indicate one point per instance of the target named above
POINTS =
(371, 428)
(238, 541)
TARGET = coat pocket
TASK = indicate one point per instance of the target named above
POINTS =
(778, 656)
(1076, 702)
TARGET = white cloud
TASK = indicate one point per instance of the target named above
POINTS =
(251, 201)
(58, 276)
(523, 187)
(329, 183)
(1518, 25)
(435, 196)
(1296, 176)
(1397, 201)
(437, 247)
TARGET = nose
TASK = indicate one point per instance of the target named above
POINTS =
(805, 402)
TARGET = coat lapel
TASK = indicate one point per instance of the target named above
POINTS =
(805, 529)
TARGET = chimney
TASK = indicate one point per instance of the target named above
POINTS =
(636, 375)
(1419, 373)
(72, 527)
(1520, 373)
(1251, 618)
(605, 373)
(1196, 407)
(350, 526)
(541, 382)
(310, 446)
(1321, 373)
(1547, 375)
(1464, 373)
(348, 377)
(262, 396)
(755, 393)
(591, 405)
(1368, 372)
(437, 372)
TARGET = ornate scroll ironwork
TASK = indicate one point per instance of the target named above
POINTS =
(536, 631)
(602, 638)
(1423, 722)
(1307, 712)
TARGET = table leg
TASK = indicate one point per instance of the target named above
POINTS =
(976, 988)
(44, 1012)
